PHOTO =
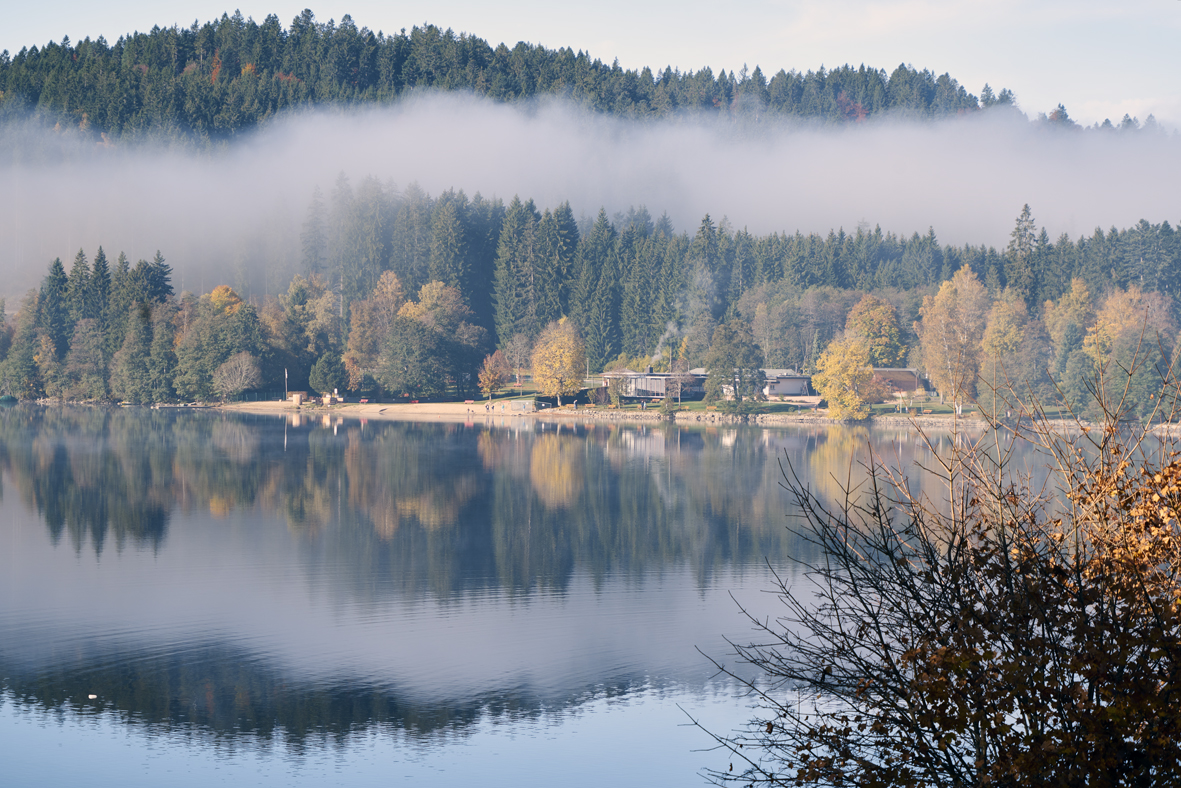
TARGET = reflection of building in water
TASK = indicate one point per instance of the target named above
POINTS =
(646, 443)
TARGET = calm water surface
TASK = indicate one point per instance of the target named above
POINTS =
(205, 599)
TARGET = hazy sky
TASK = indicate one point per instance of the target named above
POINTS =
(1100, 59)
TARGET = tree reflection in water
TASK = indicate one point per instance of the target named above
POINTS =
(400, 511)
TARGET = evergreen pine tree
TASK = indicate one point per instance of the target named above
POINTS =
(1020, 273)
(162, 354)
(563, 246)
(705, 249)
(410, 255)
(741, 266)
(53, 317)
(515, 295)
(119, 305)
(313, 236)
(594, 254)
(635, 307)
(130, 378)
(85, 365)
(78, 290)
(484, 218)
(100, 292)
(370, 231)
(602, 315)
(449, 260)
(340, 235)
(548, 273)
(158, 281)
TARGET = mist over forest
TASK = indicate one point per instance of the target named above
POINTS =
(232, 214)
(206, 143)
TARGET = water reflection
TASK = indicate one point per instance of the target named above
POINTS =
(260, 576)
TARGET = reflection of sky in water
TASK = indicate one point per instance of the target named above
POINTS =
(437, 602)
(644, 739)
(245, 581)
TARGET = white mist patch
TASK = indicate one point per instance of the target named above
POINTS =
(233, 215)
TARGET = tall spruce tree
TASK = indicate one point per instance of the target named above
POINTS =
(370, 233)
(635, 308)
(19, 375)
(516, 263)
(594, 252)
(341, 239)
(449, 254)
(119, 308)
(602, 315)
(100, 292)
(162, 354)
(130, 377)
(53, 317)
(78, 300)
(1020, 259)
(484, 219)
(313, 236)
(411, 241)
(548, 271)
(86, 368)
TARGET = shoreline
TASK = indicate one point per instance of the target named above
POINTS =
(464, 412)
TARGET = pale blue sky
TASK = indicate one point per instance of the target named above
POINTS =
(1100, 59)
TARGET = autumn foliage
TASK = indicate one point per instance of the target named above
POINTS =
(846, 380)
(559, 360)
(494, 374)
(1016, 634)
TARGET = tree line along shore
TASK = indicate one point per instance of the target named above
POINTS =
(494, 291)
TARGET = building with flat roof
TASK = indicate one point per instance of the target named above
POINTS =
(655, 385)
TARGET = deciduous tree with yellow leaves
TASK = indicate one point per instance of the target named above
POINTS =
(493, 374)
(875, 323)
(953, 323)
(845, 378)
(559, 360)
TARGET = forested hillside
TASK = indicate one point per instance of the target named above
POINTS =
(401, 292)
(215, 80)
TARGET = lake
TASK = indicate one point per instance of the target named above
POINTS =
(206, 598)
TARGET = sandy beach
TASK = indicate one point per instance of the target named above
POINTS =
(419, 411)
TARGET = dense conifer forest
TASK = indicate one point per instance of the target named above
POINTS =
(215, 80)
